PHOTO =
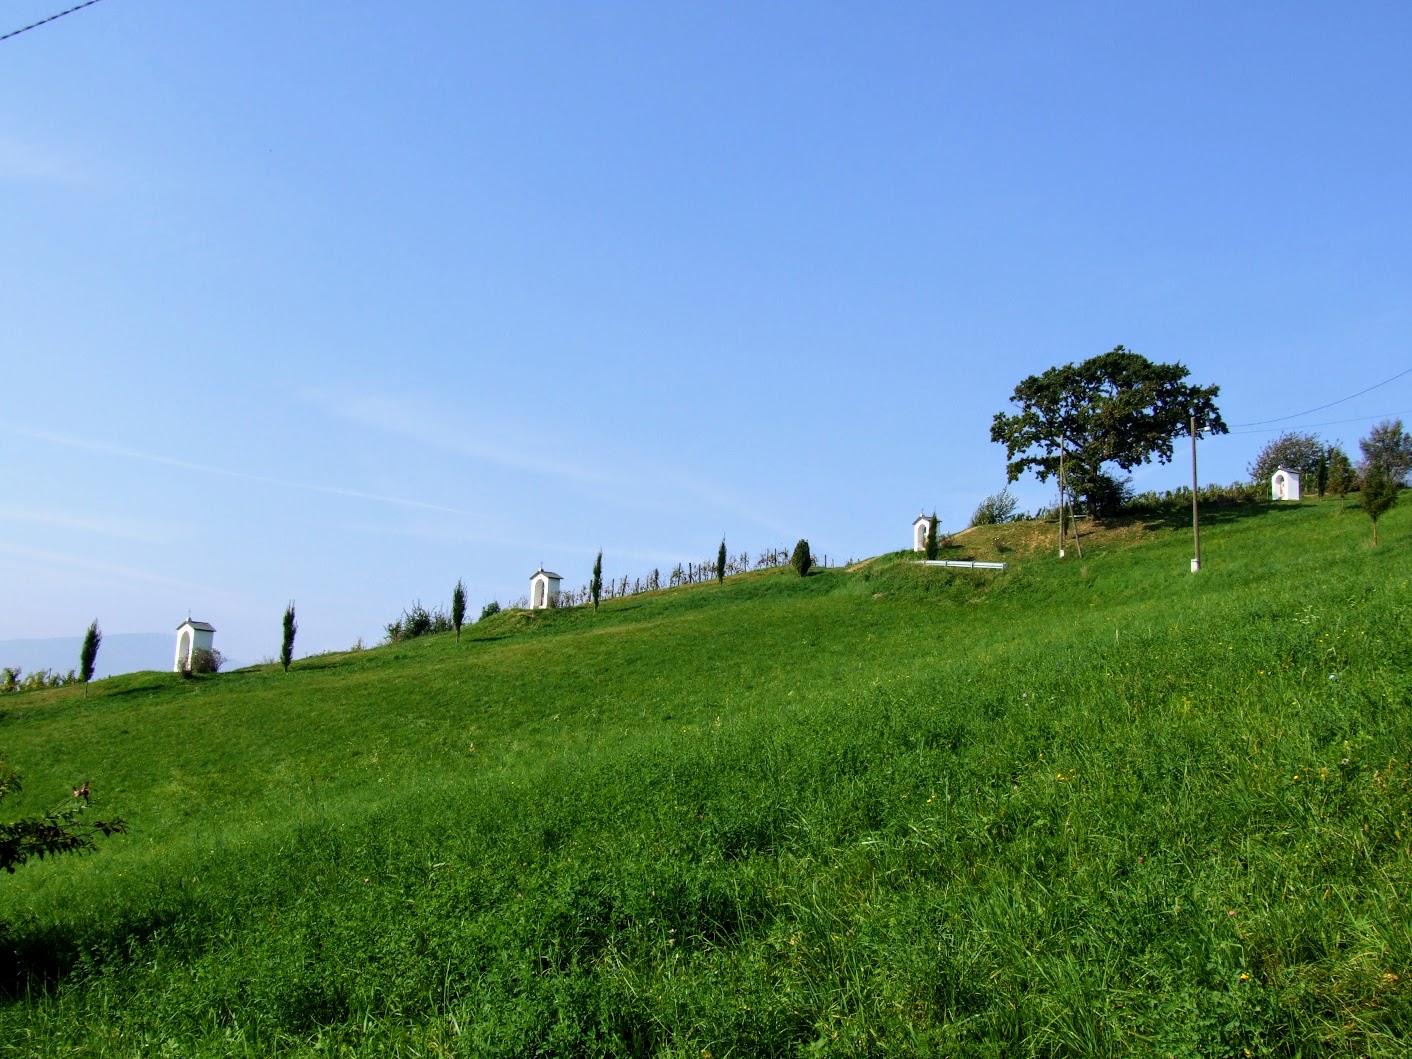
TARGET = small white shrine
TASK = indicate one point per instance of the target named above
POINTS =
(192, 636)
(919, 533)
(544, 589)
(1284, 485)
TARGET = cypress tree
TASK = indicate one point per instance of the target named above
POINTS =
(458, 607)
(801, 560)
(88, 654)
(721, 563)
(286, 651)
(595, 587)
(933, 540)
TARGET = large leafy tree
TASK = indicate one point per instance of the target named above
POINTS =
(1118, 408)
(1390, 447)
(1293, 450)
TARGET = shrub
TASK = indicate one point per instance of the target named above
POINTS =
(995, 509)
(418, 621)
(800, 559)
(204, 660)
(493, 607)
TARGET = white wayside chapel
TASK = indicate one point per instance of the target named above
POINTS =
(1284, 485)
(919, 533)
(544, 589)
(191, 636)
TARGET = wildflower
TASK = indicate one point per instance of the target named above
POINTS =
(1231, 912)
(1244, 977)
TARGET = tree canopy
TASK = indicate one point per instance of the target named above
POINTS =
(1293, 450)
(1117, 408)
(1389, 447)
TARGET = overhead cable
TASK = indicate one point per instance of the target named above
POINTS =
(1311, 411)
(51, 18)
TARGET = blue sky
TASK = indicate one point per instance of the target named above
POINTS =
(341, 302)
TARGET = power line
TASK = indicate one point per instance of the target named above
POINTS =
(51, 18)
(1341, 400)
(1332, 423)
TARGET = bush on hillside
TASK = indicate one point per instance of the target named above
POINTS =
(800, 559)
(493, 607)
(203, 660)
(1166, 501)
(995, 509)
(418, 621)
(10, 679)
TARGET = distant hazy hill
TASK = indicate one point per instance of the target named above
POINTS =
(120, 652)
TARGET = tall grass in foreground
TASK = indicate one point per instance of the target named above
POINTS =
(1078, 809)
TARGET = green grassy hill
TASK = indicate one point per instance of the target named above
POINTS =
(1081, 808)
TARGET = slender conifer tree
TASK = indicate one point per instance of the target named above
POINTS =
(88, 654)
(721, 563)
(286, 651)
(458, 607)
(595, 587)
(933, 538)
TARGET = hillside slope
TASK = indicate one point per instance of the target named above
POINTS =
(1090, 807)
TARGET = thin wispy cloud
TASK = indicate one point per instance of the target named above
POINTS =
(144, 531)
(420, 423)
(81, 562)
(416, 423)
(106, 448)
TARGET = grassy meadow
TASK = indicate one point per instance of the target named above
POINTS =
(1090, 807)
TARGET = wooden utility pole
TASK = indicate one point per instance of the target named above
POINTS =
(1195, 521)
(1061, 496)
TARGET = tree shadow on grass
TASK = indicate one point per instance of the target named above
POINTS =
(1212, 513)
(37, 957)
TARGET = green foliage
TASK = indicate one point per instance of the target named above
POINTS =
(1168, 501)
(996, 509)
(205, 660)
(1074, 809)
(1388, 447)
(801, 558)
(933, 543)
(721, 562)
(1343, 479)
(1117, 408)
(458, 607)
(1292, 450)
(417, 621)
(595, 585)
(12, 678)
(286, 650)
(57, 830)
(493, 607)
(1378, 494)
(88, 653)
